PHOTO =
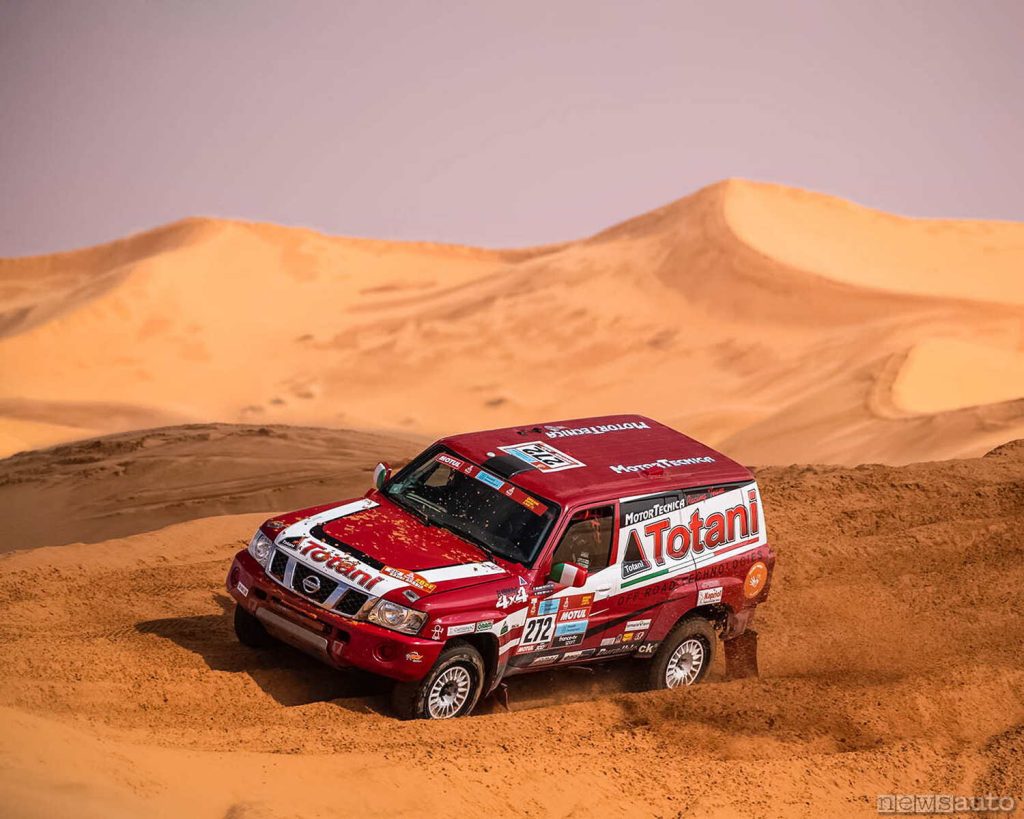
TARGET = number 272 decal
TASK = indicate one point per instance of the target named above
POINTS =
(538, 630)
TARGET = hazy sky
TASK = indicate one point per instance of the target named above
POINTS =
(494, 123)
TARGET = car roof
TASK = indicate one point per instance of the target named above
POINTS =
(608, 457)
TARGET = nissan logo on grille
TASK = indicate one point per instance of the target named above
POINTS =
(311, 584)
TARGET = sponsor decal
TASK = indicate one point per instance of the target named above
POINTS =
(660, 542)
(414, 657)
(549, 606)
(489, 479)
(571, 628)
(634, 562)
(610, 641)
(242, 589)
(544, 660)
(566, 640)
(465, 628)
(757, 576)
(575, 601)
(538, 631)
(493, 481)
(706, 596)
(647, 649)
(484, 625)
(663, 463)
(604, 652)
(411, 578)
(340, 564)
(437, 632)
(599, 429)
(638, 625)
(542, 457)
(448, 460)
(568, 657)
(574, 614)
(504, 630)
(545, 590)
(512, 596)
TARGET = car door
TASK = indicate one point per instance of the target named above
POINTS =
(654, 570)
(560, 625)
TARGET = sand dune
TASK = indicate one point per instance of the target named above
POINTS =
(131, 482)
(889, 662)
(783, 325)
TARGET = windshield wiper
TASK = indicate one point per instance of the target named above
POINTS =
(415, 511)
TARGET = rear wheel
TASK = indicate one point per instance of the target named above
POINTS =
(685, 655)
(450, 689)
(250, 631)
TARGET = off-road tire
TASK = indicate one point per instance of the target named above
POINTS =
(413, 700)
(250, 631)
(691, 629)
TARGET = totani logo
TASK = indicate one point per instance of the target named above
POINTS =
(664, 463)
(634, 562)
(702, 532)
(542, 457)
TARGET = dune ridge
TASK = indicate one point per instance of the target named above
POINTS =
(739, 314)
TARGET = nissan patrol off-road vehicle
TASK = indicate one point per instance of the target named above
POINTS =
(504, 552)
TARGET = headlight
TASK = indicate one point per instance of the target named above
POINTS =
(397, 617)
(260, 547)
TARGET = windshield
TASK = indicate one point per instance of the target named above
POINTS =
(443, 489)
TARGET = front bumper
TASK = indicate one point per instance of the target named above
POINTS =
(336, 640)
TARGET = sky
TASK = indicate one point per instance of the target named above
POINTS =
(494, 123)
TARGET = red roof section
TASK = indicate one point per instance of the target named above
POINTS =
(619, 456)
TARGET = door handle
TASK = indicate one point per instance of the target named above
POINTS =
(602, 592)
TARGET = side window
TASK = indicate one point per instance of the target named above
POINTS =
(588, 539)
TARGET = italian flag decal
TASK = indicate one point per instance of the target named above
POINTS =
(565, 573)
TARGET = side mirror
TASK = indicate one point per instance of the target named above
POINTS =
(381, 475)
(568, 574)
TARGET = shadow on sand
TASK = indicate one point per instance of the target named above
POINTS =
(293, 678)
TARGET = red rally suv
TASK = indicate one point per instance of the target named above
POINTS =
(507, 551)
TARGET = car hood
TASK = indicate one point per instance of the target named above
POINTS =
(376, 539)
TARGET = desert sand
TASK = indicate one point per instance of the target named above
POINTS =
(162, 394)
(890, 660)
(781, 325)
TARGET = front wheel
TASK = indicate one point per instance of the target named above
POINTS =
(250, 631)
(685, 655)
(450, 689)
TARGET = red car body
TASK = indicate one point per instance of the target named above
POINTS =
(683, 526)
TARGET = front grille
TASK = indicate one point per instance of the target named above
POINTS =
(351, 602)
(278, 565)
(327, 586)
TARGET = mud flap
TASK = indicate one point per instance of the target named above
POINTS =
(741, 656)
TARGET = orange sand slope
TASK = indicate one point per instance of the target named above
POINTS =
(890, 663)
(779, 324)
(130, 482)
